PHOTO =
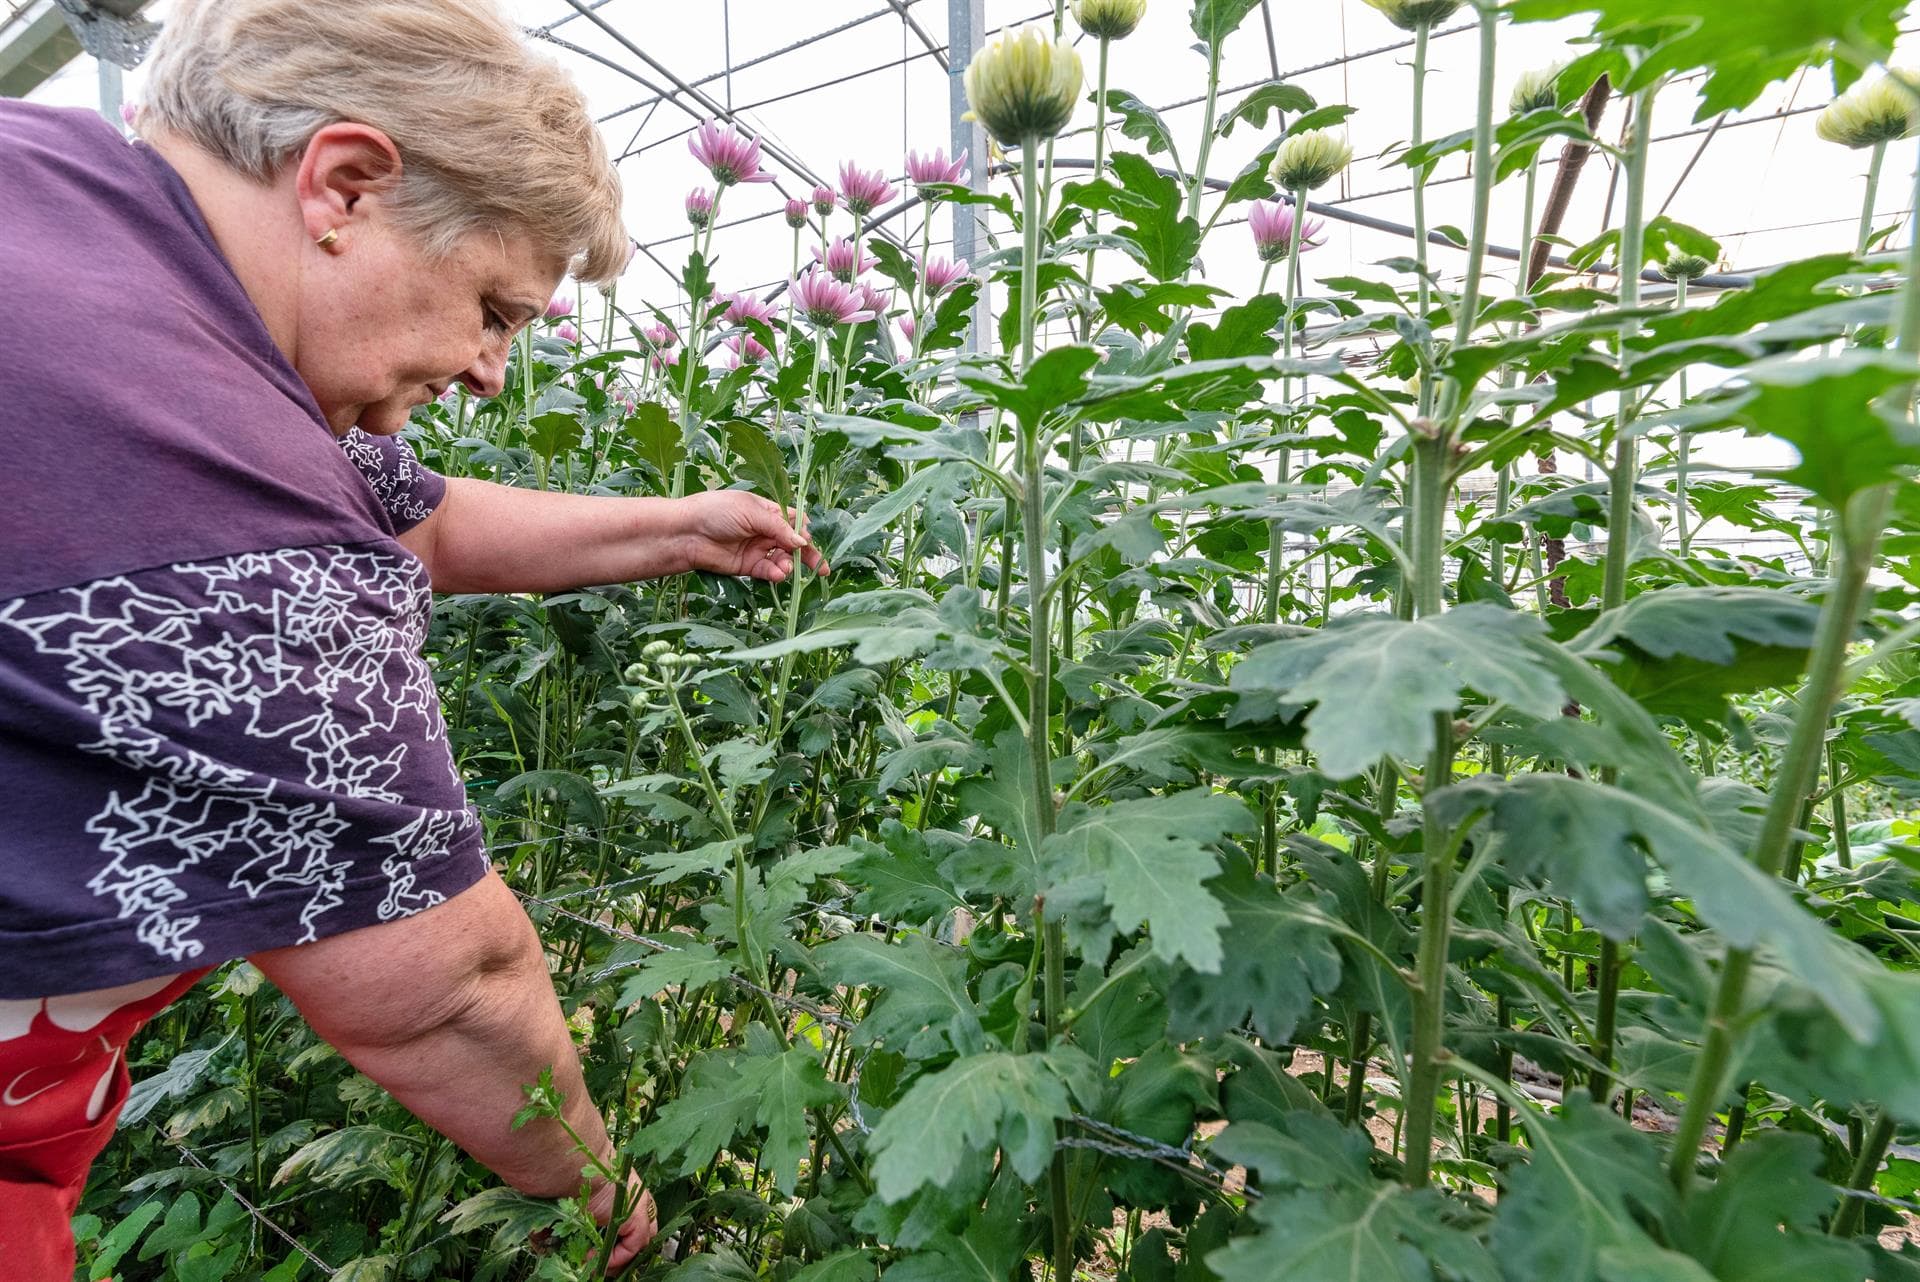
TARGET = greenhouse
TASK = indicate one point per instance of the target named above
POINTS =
(960, 641)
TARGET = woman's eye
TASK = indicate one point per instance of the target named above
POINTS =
(496, 323)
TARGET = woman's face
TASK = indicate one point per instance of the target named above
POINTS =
(384, 327)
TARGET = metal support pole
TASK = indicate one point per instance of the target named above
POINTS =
(110, 92)
(966, 32)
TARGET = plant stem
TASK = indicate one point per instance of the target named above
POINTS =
(1846, 1221)
(1865, 235)
(1206, 134)
(1837, 802)
(1420, 173)
(1622, 479)
(1039, 659)
(1683, 442)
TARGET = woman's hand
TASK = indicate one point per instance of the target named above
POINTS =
(640, 1225)
(734, 532)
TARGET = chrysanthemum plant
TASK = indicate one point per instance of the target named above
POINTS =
(1241, 806)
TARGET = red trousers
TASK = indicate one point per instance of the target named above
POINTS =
(63, 1078)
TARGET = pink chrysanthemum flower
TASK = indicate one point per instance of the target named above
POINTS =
(668, 359)
(796, 213)
(864, 190)
(824, 201)
(559, 305)
(745, 347)
(699, 207)
(567, 332)
(659, 337)
(874, 301)
(907, 327)
(129, 114)
(743, 307)
(730, 157)
(1272, 225)
(825, 302)
(923, 171)
(839, 259)
(939, 275)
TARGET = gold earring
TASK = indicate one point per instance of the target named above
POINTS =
(326, 240)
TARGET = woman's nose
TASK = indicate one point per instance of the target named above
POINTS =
(488, 373)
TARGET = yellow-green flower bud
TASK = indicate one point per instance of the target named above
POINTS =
(654, 649)
(1685, 267)
(1109, 19)
(635, 673)
(1309, 160)
(639, 703)
(1411, 15)
(1535, 89)
(1873, 111)
(1023, 86)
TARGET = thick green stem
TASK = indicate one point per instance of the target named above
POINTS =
(1846, 1221)
(1033, 509)
(1873, 191)
(1430, 489)
(1420, 172)
(1837, 804)
(1856, 535)
(1206, 134)
(1682, 445)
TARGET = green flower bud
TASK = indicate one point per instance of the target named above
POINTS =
(654, 649)
(1023, 86)
(1873, 111)
(640, 703)
(1109, 19)
(1411, 15)
(1535, 89)
(635, 673)
(1685, 266)
(1309, 160)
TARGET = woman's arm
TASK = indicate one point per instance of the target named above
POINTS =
(495, 538)
(452, 1011)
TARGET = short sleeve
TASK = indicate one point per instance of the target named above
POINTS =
(407, 489)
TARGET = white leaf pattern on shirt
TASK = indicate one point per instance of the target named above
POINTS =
(317, 649)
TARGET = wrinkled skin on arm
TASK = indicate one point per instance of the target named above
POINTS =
(452, 1011)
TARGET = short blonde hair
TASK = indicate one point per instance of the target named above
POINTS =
(492, 136)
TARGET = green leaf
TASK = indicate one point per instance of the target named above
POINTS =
(1589, 1184)
(1276, 955)
(909, 494)
(1055, 379)
(691, 963)
(760, 460)
(1572, 833)
(1245, 330)
(514, 1216)
(1826, 409)
(922, 985)
(1150, 858)
(900, 881)
(656, 438)
(1743, 47)
(1274, 96)
(553, 432)
(712, 1106)
(1377, 681)
(1704, 623)
(1214, 20)
(974, 1102)
(786, 1085)
(1138, 120)
(1151, 209)
(1380, 1233)
(1760, 1220)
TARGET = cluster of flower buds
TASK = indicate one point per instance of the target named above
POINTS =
(1883, 109)
(1023, 86)
(1109, 19)
(658, 667)
(1411, 15)
(1536, 89)
(1309, 160)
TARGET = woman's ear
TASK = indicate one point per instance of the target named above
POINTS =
(343, 164)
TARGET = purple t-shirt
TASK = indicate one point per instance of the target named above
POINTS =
(217, 734)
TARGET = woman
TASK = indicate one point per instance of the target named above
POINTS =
(217, 731)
